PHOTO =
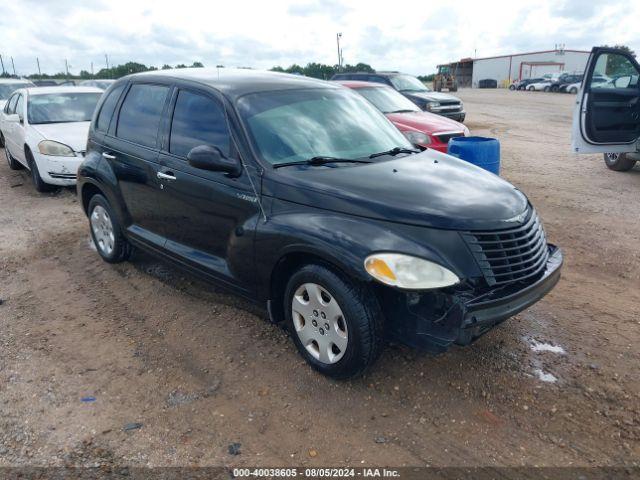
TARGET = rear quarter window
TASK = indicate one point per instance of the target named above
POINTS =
(141, 112)
(108, 106)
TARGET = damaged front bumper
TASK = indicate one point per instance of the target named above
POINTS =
(434, 320)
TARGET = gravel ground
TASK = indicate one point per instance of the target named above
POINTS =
(140, 364)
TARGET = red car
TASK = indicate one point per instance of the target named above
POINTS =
(421, 128)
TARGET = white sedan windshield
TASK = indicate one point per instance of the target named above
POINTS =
(61, 107)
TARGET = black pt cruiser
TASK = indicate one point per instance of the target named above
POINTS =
(302, 197)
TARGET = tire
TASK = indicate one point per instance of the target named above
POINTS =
(41, 185)
(353, 341)
(512, 87)
(531, 89)
(547, 89)
(1, 140)
(521, 88)
(13, 163)
(618, 162)
(573, 90)
(106, 231)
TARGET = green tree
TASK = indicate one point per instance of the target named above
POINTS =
(197, 65)
(166, 67)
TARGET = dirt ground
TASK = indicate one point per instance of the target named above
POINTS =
(199, 370)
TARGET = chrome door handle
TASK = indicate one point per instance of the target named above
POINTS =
(108, 156)
(165, 176)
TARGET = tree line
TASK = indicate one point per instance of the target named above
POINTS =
(312, 69)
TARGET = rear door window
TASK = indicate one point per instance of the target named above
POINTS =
(197, 120)
(141, 112)
(20, 107)
(108, 106)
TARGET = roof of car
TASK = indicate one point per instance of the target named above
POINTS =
(15, 80)
(237, 82)
(381, 74)
(64, 89)
(359, 84)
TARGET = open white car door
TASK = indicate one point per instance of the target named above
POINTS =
(606, 117)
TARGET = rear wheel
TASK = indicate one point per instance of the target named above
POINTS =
(573, 90)
(619, 162)
(13, 163)
(106, 231)
(40, 184)
(547, 89)
(531, 88)
(335, 324)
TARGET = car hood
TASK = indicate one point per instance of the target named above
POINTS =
(429, 189)
(73, 134)
(425, 122)
(432, 96)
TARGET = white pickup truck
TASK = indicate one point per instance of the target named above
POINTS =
(606, 117)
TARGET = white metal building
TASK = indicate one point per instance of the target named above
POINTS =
(506, 68)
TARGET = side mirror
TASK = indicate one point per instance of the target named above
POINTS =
(208, 157)
(12, 118)
(622, 82)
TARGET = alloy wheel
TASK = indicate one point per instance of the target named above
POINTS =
(102, 229)
(319, 323)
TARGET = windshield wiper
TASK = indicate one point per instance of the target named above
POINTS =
(321, 160)
(394, 151)
(405, 110)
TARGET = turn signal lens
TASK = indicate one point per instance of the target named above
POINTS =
(405, 271)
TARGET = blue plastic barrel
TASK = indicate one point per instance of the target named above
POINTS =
(481, 151)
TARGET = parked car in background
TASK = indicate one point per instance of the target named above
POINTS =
(606, 116)
(45, 83)
(98, 83)
(301, 196)
(524, 83)
(435, 102)
(7, 87)
(543, 86)
(45, 129)
(421, 128)
(563, 80)
(572, 88)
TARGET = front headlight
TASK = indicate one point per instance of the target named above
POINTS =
(417, 138)
(431, 105)
(49, 147)
(405, 271)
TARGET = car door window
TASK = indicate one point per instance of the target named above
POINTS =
(613, 70)
(141, 112)
(20, 107)
(197, 120)
(11, 105)
(108, 106)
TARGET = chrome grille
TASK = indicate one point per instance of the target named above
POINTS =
(510, 255)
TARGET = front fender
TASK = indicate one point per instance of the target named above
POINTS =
(345, 241)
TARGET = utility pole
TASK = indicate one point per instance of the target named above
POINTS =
(338, 37)
(66, 67)
(106, 59)
(14, 67)
(2, 63)
(38, 62)
(92, 69)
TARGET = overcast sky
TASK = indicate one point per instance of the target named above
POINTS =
(412, 36)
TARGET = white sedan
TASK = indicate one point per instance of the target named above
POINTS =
(540, 86)
(45, 129)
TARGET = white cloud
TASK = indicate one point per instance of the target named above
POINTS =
(407, 35)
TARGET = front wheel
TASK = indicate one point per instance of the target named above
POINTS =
(41, 185)
(106, 231)
(531, 89)
(547, 89)
(619, 162)
(573, 90)
(336, 325)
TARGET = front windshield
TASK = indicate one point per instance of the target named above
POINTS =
(61, 107)
(296, 125)
(388, 100)
(7, 89)
(407, 83)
